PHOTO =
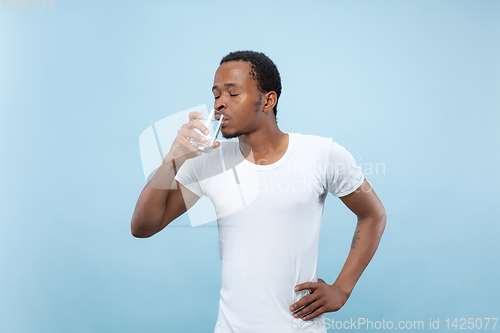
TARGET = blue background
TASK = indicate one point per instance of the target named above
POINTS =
(411, 85)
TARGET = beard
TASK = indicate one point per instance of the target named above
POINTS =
(233, 135)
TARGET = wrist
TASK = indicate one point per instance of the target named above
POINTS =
(175, 162)
(343, 290)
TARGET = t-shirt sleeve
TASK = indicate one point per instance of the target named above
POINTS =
(187, 176)
(343, 176)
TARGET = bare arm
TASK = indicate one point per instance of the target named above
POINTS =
(158, 205)
(163, 199)
(371, 224)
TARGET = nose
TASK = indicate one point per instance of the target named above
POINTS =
(220, 103)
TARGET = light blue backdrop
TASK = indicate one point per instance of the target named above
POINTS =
(411, 85)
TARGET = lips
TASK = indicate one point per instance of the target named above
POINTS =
(225, 120)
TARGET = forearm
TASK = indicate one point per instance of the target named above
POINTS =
(364, 244)
(150, 208)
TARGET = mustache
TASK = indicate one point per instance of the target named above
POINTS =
(221, 113)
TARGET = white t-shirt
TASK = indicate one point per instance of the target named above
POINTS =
(269, 219)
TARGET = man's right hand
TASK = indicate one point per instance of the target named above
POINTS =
(182, 149)
(164, 199)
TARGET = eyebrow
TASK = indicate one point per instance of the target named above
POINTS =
(232, 84)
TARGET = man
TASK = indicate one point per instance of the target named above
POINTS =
(268, 246)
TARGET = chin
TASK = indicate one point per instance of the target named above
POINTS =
(230, 135)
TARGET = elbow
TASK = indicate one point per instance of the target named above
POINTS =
(139, 232)
(377, 219)
(382, 219)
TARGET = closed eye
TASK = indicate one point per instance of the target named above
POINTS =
(232, 95)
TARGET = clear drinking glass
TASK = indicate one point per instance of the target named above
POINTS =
(213, 126)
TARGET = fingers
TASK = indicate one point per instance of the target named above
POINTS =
(314, 313)
(189, 133)
(322, 299)
(194, 129)
(307, 305)
(195, 115)
(184, 147)
(182, 142)
(304, 301)
(194, 123)
(306, 285)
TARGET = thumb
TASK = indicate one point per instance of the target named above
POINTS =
(321, 280)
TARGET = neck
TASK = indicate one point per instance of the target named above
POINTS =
(266, 144)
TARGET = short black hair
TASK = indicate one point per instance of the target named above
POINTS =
(263, 70)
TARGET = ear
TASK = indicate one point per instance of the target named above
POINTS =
(270, 99)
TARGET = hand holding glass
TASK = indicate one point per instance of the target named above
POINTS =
(213, 127)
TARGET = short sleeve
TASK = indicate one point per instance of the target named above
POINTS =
(187, 176)
(343, 175)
